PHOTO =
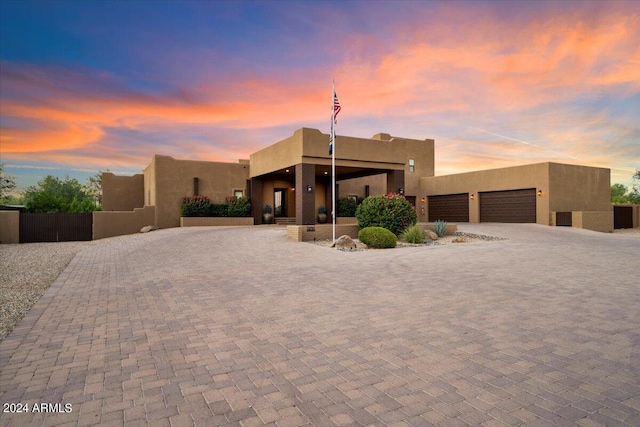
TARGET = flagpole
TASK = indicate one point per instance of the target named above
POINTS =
(333, 161)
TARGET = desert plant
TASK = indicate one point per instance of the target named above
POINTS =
(195, 206)
(392, 212)
(238, 206)
(440, 227)
(267, 209)
(322, 210)
(377, 237)
(414, 234)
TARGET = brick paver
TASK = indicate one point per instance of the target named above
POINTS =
(240, 326)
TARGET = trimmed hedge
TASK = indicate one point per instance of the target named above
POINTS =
(201, 206)
(392, 212)
(377, 237)
(346, 207)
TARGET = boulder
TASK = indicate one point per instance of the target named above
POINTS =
(431, 235)
(148, 228)
(344, 242)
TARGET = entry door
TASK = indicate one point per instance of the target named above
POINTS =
(280, 202)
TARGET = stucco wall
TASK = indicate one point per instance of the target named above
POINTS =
(356, 186)
(306, 233)
(122, 193)
(174, 179)
(9, 227)
(511, 178)
(579, 188)
(593, 220)
(118, 223)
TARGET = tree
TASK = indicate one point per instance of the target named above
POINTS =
(7, 183)
(618, 192)
(53, 195)
(620, 195)
(93, 187)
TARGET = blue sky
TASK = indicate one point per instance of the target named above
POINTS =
(89, 86)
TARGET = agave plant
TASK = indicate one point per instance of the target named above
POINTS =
(440, 227)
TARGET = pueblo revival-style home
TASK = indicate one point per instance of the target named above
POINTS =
(293, 176)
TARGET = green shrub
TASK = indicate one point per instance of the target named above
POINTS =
(195, 206)
(392, 212)
(346, 207)
(440, 227)
(238, 206)
(414, 234)
(377, 237)
(218, 210)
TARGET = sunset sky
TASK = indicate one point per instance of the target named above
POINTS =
(94, 85)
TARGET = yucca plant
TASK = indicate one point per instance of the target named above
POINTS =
(440, 227)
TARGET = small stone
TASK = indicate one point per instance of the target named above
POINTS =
(148, 228)
(431, 235)
(344, 243)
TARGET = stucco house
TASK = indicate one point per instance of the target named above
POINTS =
(293, 176)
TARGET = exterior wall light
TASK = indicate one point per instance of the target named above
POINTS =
(473, 197)
(293, 188)
(309, 189)
(423, 200)
(401, 191)
(286, 170)
(540, 193)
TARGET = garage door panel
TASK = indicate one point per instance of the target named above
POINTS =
(449, 207)
(514, 206)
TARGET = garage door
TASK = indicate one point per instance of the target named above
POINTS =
(508, 206)
(449, 207)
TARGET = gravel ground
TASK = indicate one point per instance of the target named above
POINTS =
(29, 269)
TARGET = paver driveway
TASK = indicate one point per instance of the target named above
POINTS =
(240, 326)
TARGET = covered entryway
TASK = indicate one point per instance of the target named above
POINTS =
(516, 206)
(449, 207)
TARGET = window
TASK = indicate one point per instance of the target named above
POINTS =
(238, 193)
(412, 165)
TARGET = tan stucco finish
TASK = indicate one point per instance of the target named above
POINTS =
(122, 193)
(564, 188)
(561, 187)
(117, 223)
(9, 227)
(174, 179)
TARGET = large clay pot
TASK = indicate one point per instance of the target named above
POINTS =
(267, 218)
(322, 218)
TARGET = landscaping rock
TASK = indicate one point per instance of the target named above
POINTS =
(344, 243)
(148, 228)
(431, 235)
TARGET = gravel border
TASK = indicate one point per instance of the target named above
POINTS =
(457, 237)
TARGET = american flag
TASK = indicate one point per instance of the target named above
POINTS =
(336, 110)
(336, 106)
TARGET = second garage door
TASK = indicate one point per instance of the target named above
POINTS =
(508, 206)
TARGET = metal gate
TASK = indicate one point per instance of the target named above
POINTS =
(622, 217)
(564, 219)
(46, 227)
